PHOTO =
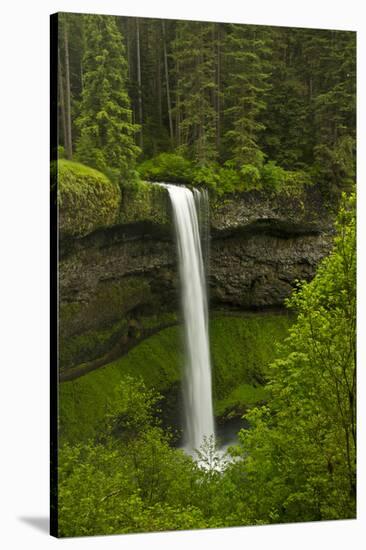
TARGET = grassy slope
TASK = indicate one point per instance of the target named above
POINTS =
(241, 348)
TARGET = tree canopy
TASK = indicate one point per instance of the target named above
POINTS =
(234, 95)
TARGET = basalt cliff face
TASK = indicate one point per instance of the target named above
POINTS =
(261, 245)
(119, 282)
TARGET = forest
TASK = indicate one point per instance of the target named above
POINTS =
(223, 105)
(263, 119)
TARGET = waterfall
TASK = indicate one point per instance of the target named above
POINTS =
(191, 223)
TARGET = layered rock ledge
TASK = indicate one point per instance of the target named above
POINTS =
(118, 268)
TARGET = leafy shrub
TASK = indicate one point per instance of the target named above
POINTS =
(206, 175)
(232, 180)
(228, 179)
(276, 178)
(169, 167)
(273, 176)
(300, 453)
(251, 175)
(174, 168)
(134, 409)
(297, 180)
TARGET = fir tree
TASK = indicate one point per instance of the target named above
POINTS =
(287, 135)
(334, 110)
(246, 83)
(195, 70)
(106, 130)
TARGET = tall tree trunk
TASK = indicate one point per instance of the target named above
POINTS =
(68, 145)
(128, 49)
(158, 85)
(218, 91)
(139, 78)
(167, 85)
(81, 76)
(62, 98)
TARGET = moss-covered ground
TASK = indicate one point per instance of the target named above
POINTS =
(241, 346)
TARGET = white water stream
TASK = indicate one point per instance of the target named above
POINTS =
(199, 420)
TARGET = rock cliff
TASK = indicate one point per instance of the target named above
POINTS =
(119, 281)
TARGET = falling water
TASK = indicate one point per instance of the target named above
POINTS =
(190, 215)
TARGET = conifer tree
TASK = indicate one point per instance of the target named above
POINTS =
(106, 130)
(334, 109)
(287, 138)
(194, 58)
(246, 83)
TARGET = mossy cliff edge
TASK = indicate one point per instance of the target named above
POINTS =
(89, 201)
(118, 267)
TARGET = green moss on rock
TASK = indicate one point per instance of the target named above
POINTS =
(145, 202)
(111, 301)
(87, 199)
(78, 351)
(85, 401)
(242, 346)
(120, 297)
(240, 399)
(90, 344)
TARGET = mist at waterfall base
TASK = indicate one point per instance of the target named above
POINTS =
(191, 223)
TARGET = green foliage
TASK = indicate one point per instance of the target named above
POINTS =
(87, 199)
(174, 168)
(167, 167)
(310, 115)
(274, 178)
(250, 175)
(288, 135)
(134, 482)
(106, 139)
(337, 163)
(206, 176)
(229, 180)
(134, 410)
(299, 456)
(226, 178)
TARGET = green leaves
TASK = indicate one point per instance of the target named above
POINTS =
(134, 409)
(302, 447)
(133, 482)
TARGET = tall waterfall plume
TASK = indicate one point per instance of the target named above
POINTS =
(190, 211)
